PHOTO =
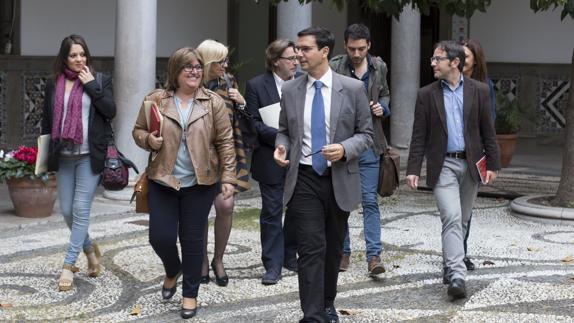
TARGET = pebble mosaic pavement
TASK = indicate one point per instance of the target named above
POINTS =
(522, 271)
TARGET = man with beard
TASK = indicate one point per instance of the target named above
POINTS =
(372, 71)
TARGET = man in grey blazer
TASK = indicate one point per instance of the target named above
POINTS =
(324, 126)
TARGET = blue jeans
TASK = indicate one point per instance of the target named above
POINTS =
(369, 169)
(76, 189)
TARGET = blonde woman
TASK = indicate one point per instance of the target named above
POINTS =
(214, 56)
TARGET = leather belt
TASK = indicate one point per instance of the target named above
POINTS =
(457, 154)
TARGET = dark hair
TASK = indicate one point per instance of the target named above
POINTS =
(323, 37)
(453, 50)
(356, 32)
(175, 64)
(479, 69)
(65, 46)
(275, 50)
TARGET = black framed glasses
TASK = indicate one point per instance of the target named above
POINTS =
(438, 59)
(191, 68)
(293, 59)
(223, 61)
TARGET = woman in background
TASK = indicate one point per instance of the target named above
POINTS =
(78, 107)
(214, 56)
(475, 68)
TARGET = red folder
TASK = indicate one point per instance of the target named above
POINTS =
(155, 120)
(481, 166)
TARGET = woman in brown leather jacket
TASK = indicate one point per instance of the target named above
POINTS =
(193, 152)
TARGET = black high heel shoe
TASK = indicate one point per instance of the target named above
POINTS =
(220, 281)
(187, 313)
(167, 293)
(204, 279)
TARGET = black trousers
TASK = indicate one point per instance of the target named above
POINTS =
(184, 212)
(320, 227)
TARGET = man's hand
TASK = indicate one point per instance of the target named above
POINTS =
(490, 177)
(376, 109)
(413, 181)
(280, 156)
(333, 152)
(227, 190)
(154, 141)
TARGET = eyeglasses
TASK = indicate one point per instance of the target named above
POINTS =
(438, 59)
(191, 68)
(293, 59)
(223, 61)
(306, 49)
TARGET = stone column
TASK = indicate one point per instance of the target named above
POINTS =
(405, 75)
(134, 76)
(292, 17)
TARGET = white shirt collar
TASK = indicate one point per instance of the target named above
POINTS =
(278, 80)
(326, 79)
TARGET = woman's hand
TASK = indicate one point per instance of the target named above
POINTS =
(227, 190)
(154, 141)
(85, 75)
(235, 96)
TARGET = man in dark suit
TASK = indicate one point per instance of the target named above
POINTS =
(324, 126)
(263, 90)
(453, 129)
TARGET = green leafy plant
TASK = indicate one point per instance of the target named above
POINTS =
(19, 163)
(509, 114)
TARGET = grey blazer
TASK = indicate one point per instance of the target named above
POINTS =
(351, 126)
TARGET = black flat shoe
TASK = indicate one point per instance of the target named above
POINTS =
(167, 293)
(187, 313)
(457, 288)
(469, 264)
(204, 280)
(220, 281)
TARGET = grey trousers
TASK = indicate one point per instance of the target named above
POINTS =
(454, 193)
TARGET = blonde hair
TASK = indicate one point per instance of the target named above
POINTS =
(175, 64)
(211, 51)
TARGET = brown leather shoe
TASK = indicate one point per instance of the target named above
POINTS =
(376, 266)
(345, 260)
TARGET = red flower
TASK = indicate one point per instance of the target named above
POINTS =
(26, 154)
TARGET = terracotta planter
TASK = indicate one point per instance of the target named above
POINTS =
(507, 146)
(33, 198)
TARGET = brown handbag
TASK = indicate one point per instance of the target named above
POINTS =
(389, 172)
(140, 194)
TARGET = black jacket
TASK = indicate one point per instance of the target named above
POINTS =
(102, 110)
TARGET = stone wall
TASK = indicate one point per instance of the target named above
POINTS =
(542, 87)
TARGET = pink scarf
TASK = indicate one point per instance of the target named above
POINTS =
(72, 129)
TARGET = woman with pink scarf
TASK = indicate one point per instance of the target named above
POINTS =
(78, 107)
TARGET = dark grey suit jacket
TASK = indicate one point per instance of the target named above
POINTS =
(430, 133)
(350, 126)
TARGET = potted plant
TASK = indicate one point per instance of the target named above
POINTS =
(509, 115)
(32, 195)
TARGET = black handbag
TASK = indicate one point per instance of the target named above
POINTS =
(115, 176)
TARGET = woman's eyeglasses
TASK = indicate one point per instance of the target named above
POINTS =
(191, 68)
(223, 61)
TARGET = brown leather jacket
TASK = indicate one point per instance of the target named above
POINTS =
(209, 139)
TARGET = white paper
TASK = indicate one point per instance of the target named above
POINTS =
(42, 157)
(270, 115)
